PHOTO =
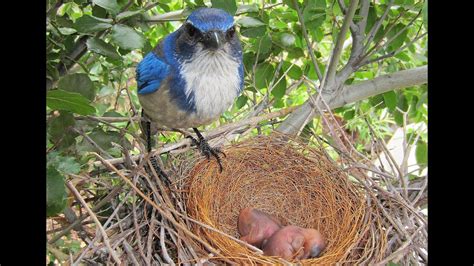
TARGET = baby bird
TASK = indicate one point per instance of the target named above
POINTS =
(255, 226)
(294, 242)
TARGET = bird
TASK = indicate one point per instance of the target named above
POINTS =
(191, 76)
(256, 226)
(294, 242)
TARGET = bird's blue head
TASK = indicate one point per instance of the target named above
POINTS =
(208, 29)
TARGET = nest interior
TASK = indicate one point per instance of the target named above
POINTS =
(300, 185)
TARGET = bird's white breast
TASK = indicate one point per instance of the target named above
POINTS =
(213, 77)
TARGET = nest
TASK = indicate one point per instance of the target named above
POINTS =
(366, 219)
(299, 185)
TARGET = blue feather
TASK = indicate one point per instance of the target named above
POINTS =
(206, 19)
(150, 72)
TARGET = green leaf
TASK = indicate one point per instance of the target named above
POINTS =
(264, 44)
(104, 138)
(403, 56)
(64, 164)
(253, 32)
(295, 72)
(250, 22)
(314, 13)
(263, 75)
(127, 38)
(295, 52)
(280, 88)
(67, 31)
(400, 39)
(252, 8)
(289, 3)
(96, 45)
(348, 115)
(390, 99)
(228, 5)
(421, 152)
(398, 117)
(55, 192)
(58, 129)
(377, 101)
(371, 19)
(241, 101)
(69, 101)
(78, 82)
(110, 5)
(89, 24)
(128, 14)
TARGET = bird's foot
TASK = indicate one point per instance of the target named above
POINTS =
(207, 150)
(162, 174)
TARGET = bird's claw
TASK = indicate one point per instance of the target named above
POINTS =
(208, 151)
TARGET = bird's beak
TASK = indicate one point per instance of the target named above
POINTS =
(315, 251)
(213, 39)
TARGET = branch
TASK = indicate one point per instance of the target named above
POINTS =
(354, 93)
(377, 25)
(79, 198)
(170, 16)
(394, 53)
(331, 72)
(308, 42)
(208, 135)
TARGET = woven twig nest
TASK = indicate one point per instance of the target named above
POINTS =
(299, 185)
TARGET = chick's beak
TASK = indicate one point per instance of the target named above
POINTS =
(213, 39)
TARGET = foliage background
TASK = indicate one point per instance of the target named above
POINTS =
(94, 46)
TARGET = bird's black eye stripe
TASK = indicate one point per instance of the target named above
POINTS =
(231, 32)
(191, 30)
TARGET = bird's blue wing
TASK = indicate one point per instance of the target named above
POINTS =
(150, 72)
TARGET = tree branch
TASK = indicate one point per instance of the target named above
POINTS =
(308, 42)
(354, 93)
(377, 25)
(331, 72)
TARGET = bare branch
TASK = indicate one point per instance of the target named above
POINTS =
(308, 42)
(394, 53)
(336, 53)
(354, 93)
(377, 25)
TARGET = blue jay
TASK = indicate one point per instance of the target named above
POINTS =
(192, 76)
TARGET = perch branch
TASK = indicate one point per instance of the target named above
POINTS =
(210, 135)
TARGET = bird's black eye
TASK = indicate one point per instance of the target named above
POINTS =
(191, 30)
(231, 32)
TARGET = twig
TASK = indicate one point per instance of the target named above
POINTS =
(130, 254)
(160, 209)
(164, 251)
(99, 225)
(394, 53)
(99, 205)
(92, 142)
(336, 52)
(377, 25)
(399, 251)
(211, 135)
(308, 42)
(57, 253)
